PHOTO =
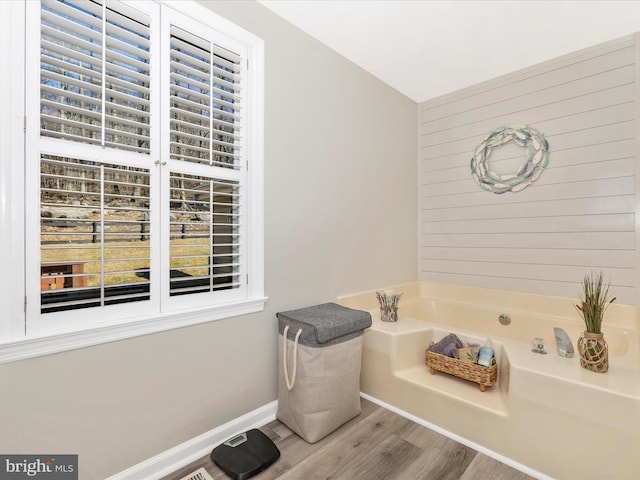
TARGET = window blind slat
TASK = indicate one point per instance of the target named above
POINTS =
(127, 18)
(184, 40)
(234, 129)
(184, 75)
(203, 92)
(198, 138)
(126, 65)
(70, 123)
(183, 124)
(184, 106)
(203, 151)
(72, 85)
(197, 80)
(131, 136)
(129, 75)
(81, 59)
(61, 94)
(52, 62)
(70, 136)
(187, 118)
(199, 96)
(79, 9)
(143, 148)
(69, 108)
(129, 105)
(55, 35)
(69, 22)
(133, 36)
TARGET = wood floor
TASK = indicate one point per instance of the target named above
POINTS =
(376, 445)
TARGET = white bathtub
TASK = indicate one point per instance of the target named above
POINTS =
(546, 413)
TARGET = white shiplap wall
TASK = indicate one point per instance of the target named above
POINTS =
(579, 216)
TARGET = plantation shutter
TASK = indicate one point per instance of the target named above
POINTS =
(95, 89)
(95, 74)
(205, 234)
(138, 182)
(205, 102)
(207, 238)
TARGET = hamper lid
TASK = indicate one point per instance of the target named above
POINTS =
(324, 324)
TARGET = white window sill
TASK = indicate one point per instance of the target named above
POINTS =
(30, 347)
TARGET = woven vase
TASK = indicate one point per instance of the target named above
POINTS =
(389, 314)
(593, 351)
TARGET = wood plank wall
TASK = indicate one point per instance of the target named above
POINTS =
(579, 216)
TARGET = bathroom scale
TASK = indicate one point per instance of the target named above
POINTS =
(246, 454)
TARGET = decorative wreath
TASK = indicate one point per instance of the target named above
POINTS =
(523, 136)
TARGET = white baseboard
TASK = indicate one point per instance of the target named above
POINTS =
(191, 450)
(479, 448)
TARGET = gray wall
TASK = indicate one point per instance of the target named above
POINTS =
(580, 214)
(340, 216)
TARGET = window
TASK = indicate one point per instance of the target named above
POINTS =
(143, 169)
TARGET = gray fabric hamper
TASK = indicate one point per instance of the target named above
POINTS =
(319, 368)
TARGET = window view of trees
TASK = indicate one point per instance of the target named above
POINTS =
(94, 233)
(204, 234)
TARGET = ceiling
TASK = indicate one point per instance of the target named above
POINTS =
(426, 49)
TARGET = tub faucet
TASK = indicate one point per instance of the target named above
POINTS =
(563, 343)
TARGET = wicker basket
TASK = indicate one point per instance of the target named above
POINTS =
(484, 376)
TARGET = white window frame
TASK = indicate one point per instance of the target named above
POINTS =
(17, 211)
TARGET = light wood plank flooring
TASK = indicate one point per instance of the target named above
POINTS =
(376, 445)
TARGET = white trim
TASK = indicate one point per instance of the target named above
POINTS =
(254, 184)
(636, 45)
(35, 346)
(30, 206)
(420, 188)
(12, 117)
(479, 448)
(177, 457)
(199, 12)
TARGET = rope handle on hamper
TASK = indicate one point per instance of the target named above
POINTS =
(292, 382)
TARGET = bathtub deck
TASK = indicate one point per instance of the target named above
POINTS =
(625, 381)
(457, 389)
(545, 413)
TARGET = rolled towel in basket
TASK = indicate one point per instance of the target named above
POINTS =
(448, 346)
